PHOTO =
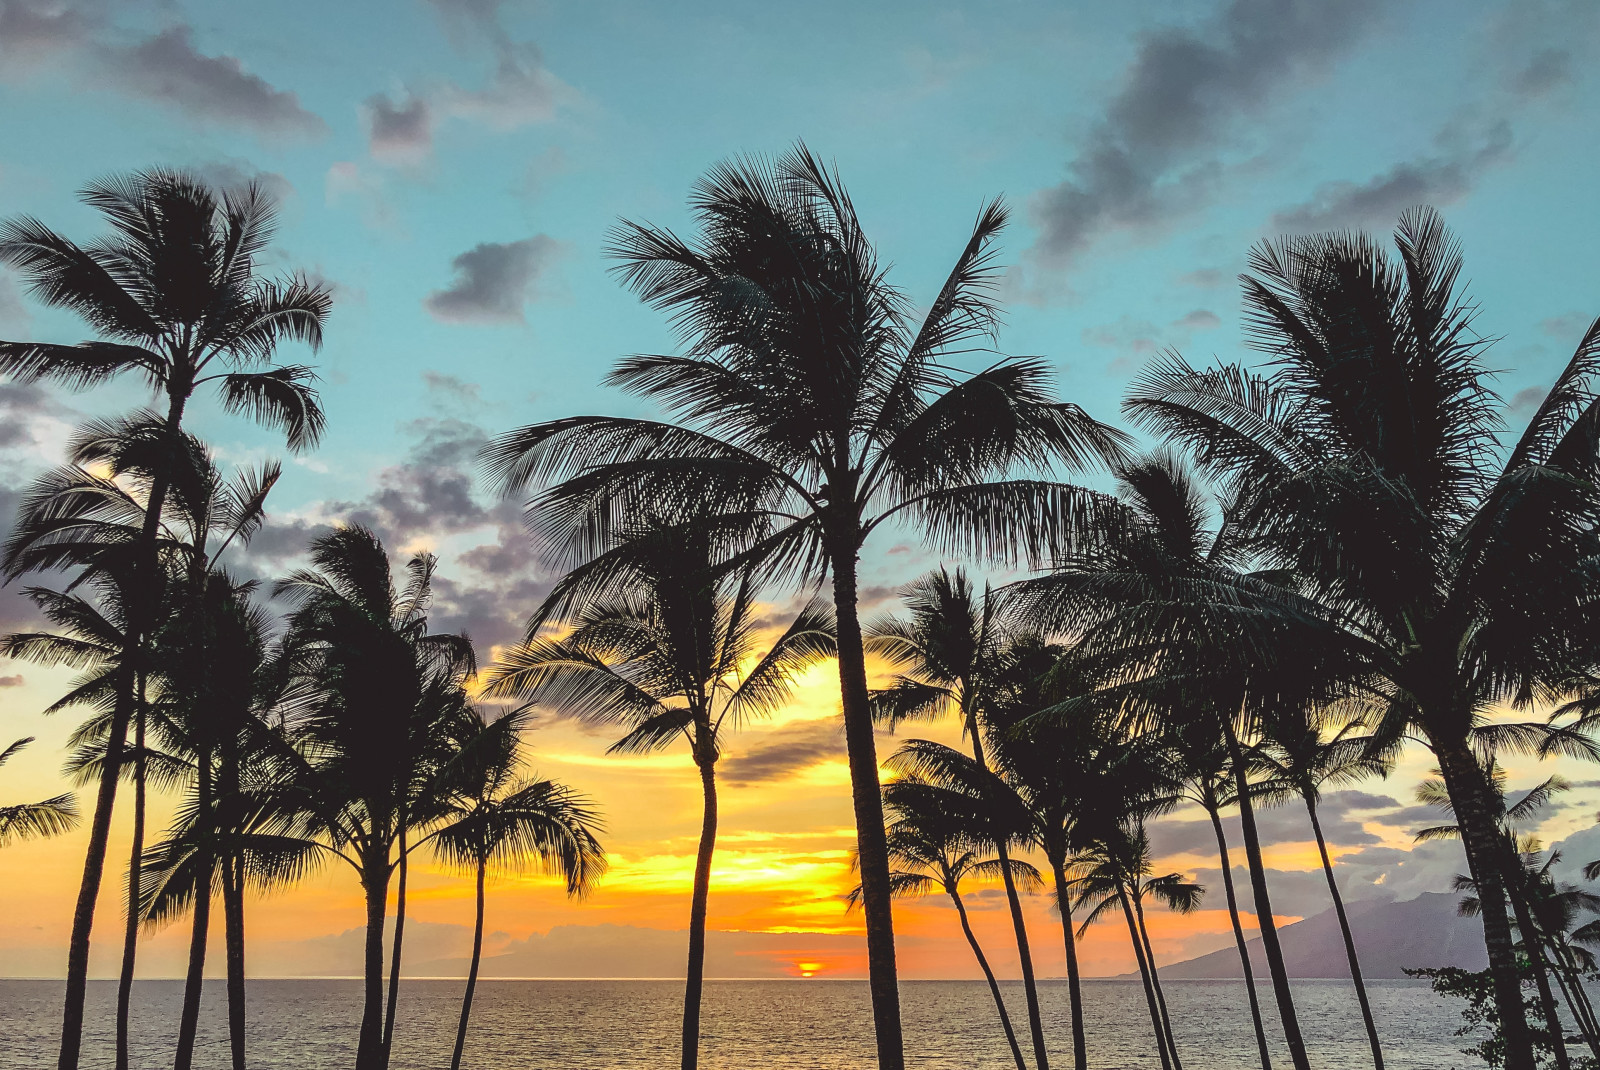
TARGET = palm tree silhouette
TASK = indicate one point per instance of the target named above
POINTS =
(377, 696)
(1115, 872)
(1298, 760)
(952, 649)
(175, 295)
(813, 400)
(1366, 465)
(496, 819)
(25, 821)
(933, 850)
(667, 643)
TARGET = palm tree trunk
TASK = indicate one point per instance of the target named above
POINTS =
(1238, 938)
(1577, 1004)
(988, 974)
(472, 973)
(375, 885)
(94, 860)
(1480, 834)
(1349, 940)
(1155, 982)
(399, 941)
(1080, 1042)
(233, 925)
(695, 980)
(871, 846)
(1030, 987)
(1144, 975)
(1533, 944)
(189, 1020)
(1258, 885)
(130, 934)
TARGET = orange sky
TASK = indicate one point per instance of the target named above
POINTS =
(782, 867)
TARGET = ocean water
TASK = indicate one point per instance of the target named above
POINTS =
(795, 1025)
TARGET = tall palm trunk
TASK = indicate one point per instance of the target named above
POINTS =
(233, 927)
(1080, 1041)
(1533, 944)
(871, 843)
(375, 886)
(695, 981)
(94, 861)
(1238, 938)
(988, 974)
(130, 934)
(1470, 797)
(1349, 940)
(1258, 885)
(472, 972)
(1019, 925)
(205, 864)
(1577, 1003)
(399, 943)
(1144, 976)
(1155, 981)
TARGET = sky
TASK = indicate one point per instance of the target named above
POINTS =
(451, 168)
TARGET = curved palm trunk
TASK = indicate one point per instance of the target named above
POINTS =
(189, 1020)
(375, 885)
(1349, 940)
(1239, 940)
(1080, 1043)
(130, 933)
(94, 863)
(233, 928)
(472, 973)
(695, 981)
(1030, 987)
(1258, 885)
(1144, 976)
(988, 974)
(1533, 944)
(1577, 1003)
(399, 941)
(871, 845)
(94, 860)
(1480, 834)
(1155, 982)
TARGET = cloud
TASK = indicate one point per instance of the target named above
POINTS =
(493, 281)
(399, 131)
(1286, 823)
(32, 32)
(13, 313)
(1203, 279)
(1526, 402)
(1156, 151)
(167, 69)
(1566, 328)
(1200, 319)
(1438, 179)
(347, 182)
(784, 751)
(1134, 339)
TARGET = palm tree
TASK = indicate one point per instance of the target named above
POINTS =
(176, 298)
(377, 695)
(931, 851)
(496, 819)
(24, 821)
(1298, 760)
(1177, 635)
(668, 645)
(811, 398)
(1202, 767)
(1116, 873)
(952, 649)
(1366, 464)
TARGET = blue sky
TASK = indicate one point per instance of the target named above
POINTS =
(452, 168)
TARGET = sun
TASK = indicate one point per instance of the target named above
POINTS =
(807, 969)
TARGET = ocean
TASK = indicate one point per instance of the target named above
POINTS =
(789, 1024)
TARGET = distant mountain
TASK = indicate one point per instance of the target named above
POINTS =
(1389, 936)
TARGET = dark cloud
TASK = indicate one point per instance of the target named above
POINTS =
(399, 131)
(1545, 70)
(493, 281)
(1155, 153)
(1200, 319)
(1341, 814)
(32, 32)
(784, 751)
(168, 69)
(233, 174)
(1204, 278)
(1567, 328)
(1438, 179)
(1525, 402)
